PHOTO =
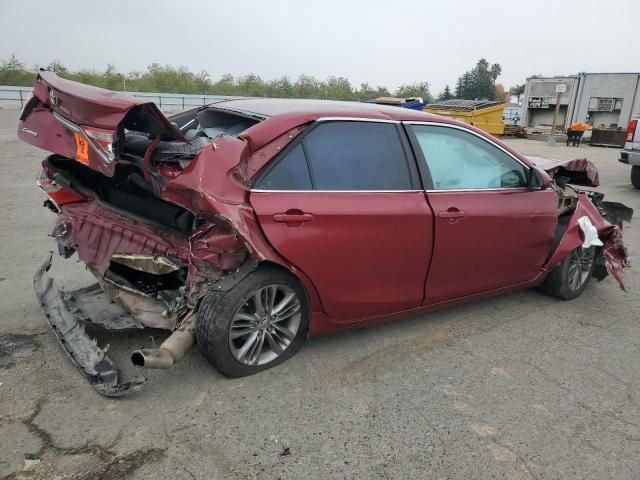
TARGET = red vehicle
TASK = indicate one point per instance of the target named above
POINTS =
(250, 224)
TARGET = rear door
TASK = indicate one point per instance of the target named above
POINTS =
(344, 205)
(491, 230)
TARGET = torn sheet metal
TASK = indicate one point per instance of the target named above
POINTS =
(615, 255)
(579, 171)
(150, 312)
(94, 306)
(155, 264)
(98, 234)
(613, 249)
(211, 172)
(68, 327)
(217, 170)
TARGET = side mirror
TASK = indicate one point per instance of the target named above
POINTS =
(538, 179)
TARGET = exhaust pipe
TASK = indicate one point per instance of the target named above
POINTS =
(171, 350)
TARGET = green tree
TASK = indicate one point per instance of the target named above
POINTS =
(337, 88)
(57, 67)
(446, 94)
(419, 89)
(366, 92)
(308, 87)
(251, 86)
(382, 92)
(112, 79)
(13, 72)
(517, 91)
(459, 88)
(224, 86)
(479, 82)
(280, 88)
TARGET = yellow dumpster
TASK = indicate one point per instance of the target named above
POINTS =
(483, 114)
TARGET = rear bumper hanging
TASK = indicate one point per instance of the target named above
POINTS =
(67, 320)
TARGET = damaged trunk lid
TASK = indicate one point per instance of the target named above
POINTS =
(88, 124)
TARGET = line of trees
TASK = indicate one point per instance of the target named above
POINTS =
(166, 78)
(479, 83)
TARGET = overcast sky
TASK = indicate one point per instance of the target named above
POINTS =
(382, 42)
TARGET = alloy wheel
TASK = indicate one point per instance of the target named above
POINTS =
(580, 263)
(265, 324)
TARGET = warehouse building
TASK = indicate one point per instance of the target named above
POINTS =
(601, 99)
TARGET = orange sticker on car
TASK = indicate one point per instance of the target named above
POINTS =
(82, 150)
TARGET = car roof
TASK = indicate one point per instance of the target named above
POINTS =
(280, 115)
(274, 107)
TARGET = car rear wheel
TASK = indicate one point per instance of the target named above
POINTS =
(635, 176)
(259, 323)
(569, 279)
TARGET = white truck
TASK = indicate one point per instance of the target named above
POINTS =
(631, 153)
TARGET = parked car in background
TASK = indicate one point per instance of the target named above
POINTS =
(250, 224)
(631, 153)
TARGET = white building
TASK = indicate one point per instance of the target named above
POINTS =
(601, 99)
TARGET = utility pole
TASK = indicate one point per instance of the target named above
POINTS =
(560, 89)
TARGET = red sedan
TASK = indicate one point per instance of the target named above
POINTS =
(250, 224)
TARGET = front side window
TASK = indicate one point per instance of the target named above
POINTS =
(459, 160)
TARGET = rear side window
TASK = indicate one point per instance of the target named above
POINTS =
(290, 173)
(356, 156)
(343, 156)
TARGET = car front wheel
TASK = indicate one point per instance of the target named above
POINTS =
(259, 323)
(569, 279)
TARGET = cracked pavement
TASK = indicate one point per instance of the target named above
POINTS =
(516, 387)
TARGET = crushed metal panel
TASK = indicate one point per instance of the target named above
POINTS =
(579, 171)
(69, 329)
(155, 264)
(148, 311)
(614, 250)
(93, 305)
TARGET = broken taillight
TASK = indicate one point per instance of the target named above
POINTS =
(631, 130)
(102, 141)
(56, 193)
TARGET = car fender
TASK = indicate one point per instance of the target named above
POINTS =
(613, 250)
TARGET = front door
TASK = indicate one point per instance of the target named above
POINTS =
(491, 230)
(343, 206)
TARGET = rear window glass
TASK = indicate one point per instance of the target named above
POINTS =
(356, 156)
(290, 173)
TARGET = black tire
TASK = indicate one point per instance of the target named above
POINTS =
(559, 283)
(217, 312)
(635, 176)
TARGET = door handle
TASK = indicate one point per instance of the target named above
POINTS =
(453, 214)
(292, 217)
